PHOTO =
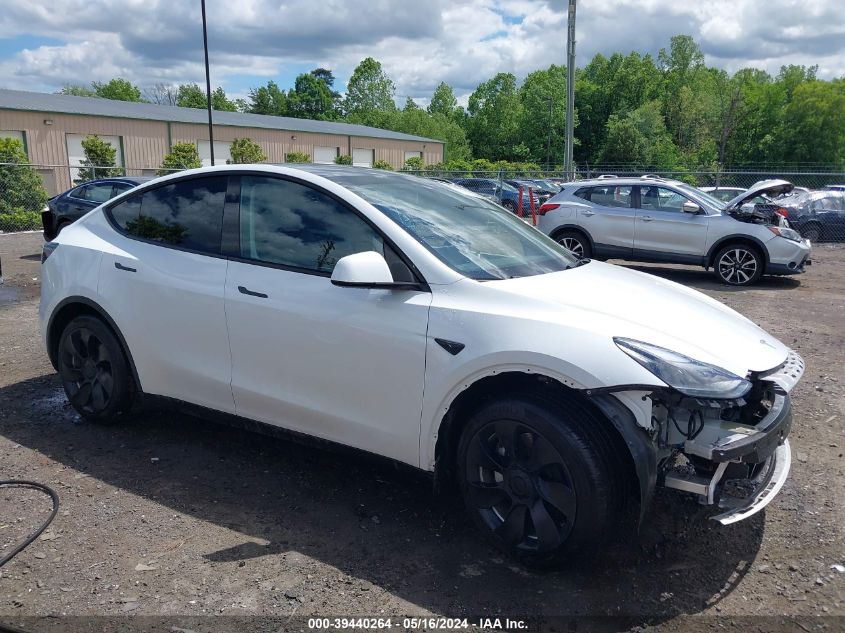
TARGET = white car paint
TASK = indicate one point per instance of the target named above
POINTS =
(360, 366)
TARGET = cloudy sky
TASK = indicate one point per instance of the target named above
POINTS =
(45, 44)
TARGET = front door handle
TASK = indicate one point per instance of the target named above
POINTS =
(120, 266)
(251, 293)
(646, 218)
(589, 213)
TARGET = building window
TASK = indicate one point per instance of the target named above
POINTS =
(75, 153)
(326, 155)
(363, 157)
(222, 154)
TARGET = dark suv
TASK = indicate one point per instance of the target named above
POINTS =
(71, 205)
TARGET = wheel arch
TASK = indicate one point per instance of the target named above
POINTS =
(630, 441)
(72, 307)
(573, 227)
(748, 240)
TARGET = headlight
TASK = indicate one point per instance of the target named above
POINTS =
(689, 376)
(790, 234)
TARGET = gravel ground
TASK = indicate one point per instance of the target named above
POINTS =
(170, 515)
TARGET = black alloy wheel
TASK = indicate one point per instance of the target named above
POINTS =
(93, 369)
(520, 486)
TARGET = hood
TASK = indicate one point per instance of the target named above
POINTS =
(618, 301)
(771, 188)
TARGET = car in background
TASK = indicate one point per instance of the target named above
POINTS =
(67, 207)
(835, 187)
(402, 317)
(818, 216)
(723, 193)
(542, 192)
(655, 220)
(505, 194)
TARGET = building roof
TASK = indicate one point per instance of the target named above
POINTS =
(93, 106)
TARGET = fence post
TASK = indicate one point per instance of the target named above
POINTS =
(519, 204)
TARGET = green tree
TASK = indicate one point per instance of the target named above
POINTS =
(269, 99)
(297, 157)
(23, 195)
(443, 101)
(117, 89)
(181, 156)
(312, 97)
(100, 159)
(414, 163)
(219, 101)
(369, 89)
(191, 96)
(495, 111)
(245, 150)
(814, 124)
(77, 91)
(543, 98)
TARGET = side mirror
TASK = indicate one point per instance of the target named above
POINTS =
(367, 270)
(691, 207)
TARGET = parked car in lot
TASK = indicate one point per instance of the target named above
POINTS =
(505, 194)
(409, 319)
(835, 187)
(817, 215)
(71, 205)
(541, 192)
(723, 193)
(655, 220)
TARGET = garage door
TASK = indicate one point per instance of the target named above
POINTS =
(75, 153)
(221, 152)
(363, 157)
(325, 155)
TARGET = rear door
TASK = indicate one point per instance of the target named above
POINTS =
(609, 218)
(162, 276)
(344, 364)
(663, 227)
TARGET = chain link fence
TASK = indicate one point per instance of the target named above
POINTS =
(818, 213)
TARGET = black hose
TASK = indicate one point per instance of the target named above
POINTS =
(12, 483)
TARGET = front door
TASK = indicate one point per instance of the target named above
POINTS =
(663, 228)
(343, 364)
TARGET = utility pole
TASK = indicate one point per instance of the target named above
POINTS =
(570, 91)
(207, 83)
(551, 100)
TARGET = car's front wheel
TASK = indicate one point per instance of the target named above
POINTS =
(540, 478)
(94, 371)
(738, 265)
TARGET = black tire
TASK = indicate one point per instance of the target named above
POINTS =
(510, 205)
(812, 232)
(551, 491)
(738, 264)
(575, 243)
(94, 371)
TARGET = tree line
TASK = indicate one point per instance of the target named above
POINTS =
(672, 112)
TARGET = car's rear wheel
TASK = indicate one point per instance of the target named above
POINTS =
(575, 243)
(539, 478)
(94, 371)
(738, 265)
(510, 205)
(812, 232)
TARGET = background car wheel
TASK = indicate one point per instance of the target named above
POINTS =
(576, 243)
(738, 265)
(94, 370)
(540, 478)
(510, 205)
(812, 232)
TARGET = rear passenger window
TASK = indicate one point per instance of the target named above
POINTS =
(188, 214)
(286, 223)
(611, 196)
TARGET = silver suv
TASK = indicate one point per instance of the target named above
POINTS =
(654, 220)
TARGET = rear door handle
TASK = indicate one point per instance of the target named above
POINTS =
(251, 293)
(120, 266)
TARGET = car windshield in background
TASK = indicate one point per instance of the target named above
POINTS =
(473, 237)
(703, 196)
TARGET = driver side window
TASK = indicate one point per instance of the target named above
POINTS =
(661, 199)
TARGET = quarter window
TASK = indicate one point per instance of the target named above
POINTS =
(188, 214)
(290, 224)
(607, 196)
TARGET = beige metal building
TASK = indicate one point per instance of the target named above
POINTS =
(52, 127)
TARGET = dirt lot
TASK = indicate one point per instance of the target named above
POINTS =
(170, 515)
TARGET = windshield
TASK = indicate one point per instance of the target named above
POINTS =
(472, 236)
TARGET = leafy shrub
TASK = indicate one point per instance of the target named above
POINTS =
(382, 164)
(21, 189)
(414, 163)
(19, 220)
(181, 156)
(245, 150)
(345, 159)
(99, 160)
(297, 157)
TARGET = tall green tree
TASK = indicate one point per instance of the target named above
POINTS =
(312, 96)
(77, 91)
(269, 99)
(21, 187)
(543, 124)
(117, 89)
(369, 90)
(443, 101)
(190, 96)
(814, 124)
(494, 114)
(245, 150)
(181, 156)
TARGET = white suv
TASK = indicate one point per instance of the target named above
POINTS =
(406, 318)
(654, 220)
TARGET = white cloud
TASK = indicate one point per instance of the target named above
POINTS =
(463, 42)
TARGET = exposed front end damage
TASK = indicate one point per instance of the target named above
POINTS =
(731, 454)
